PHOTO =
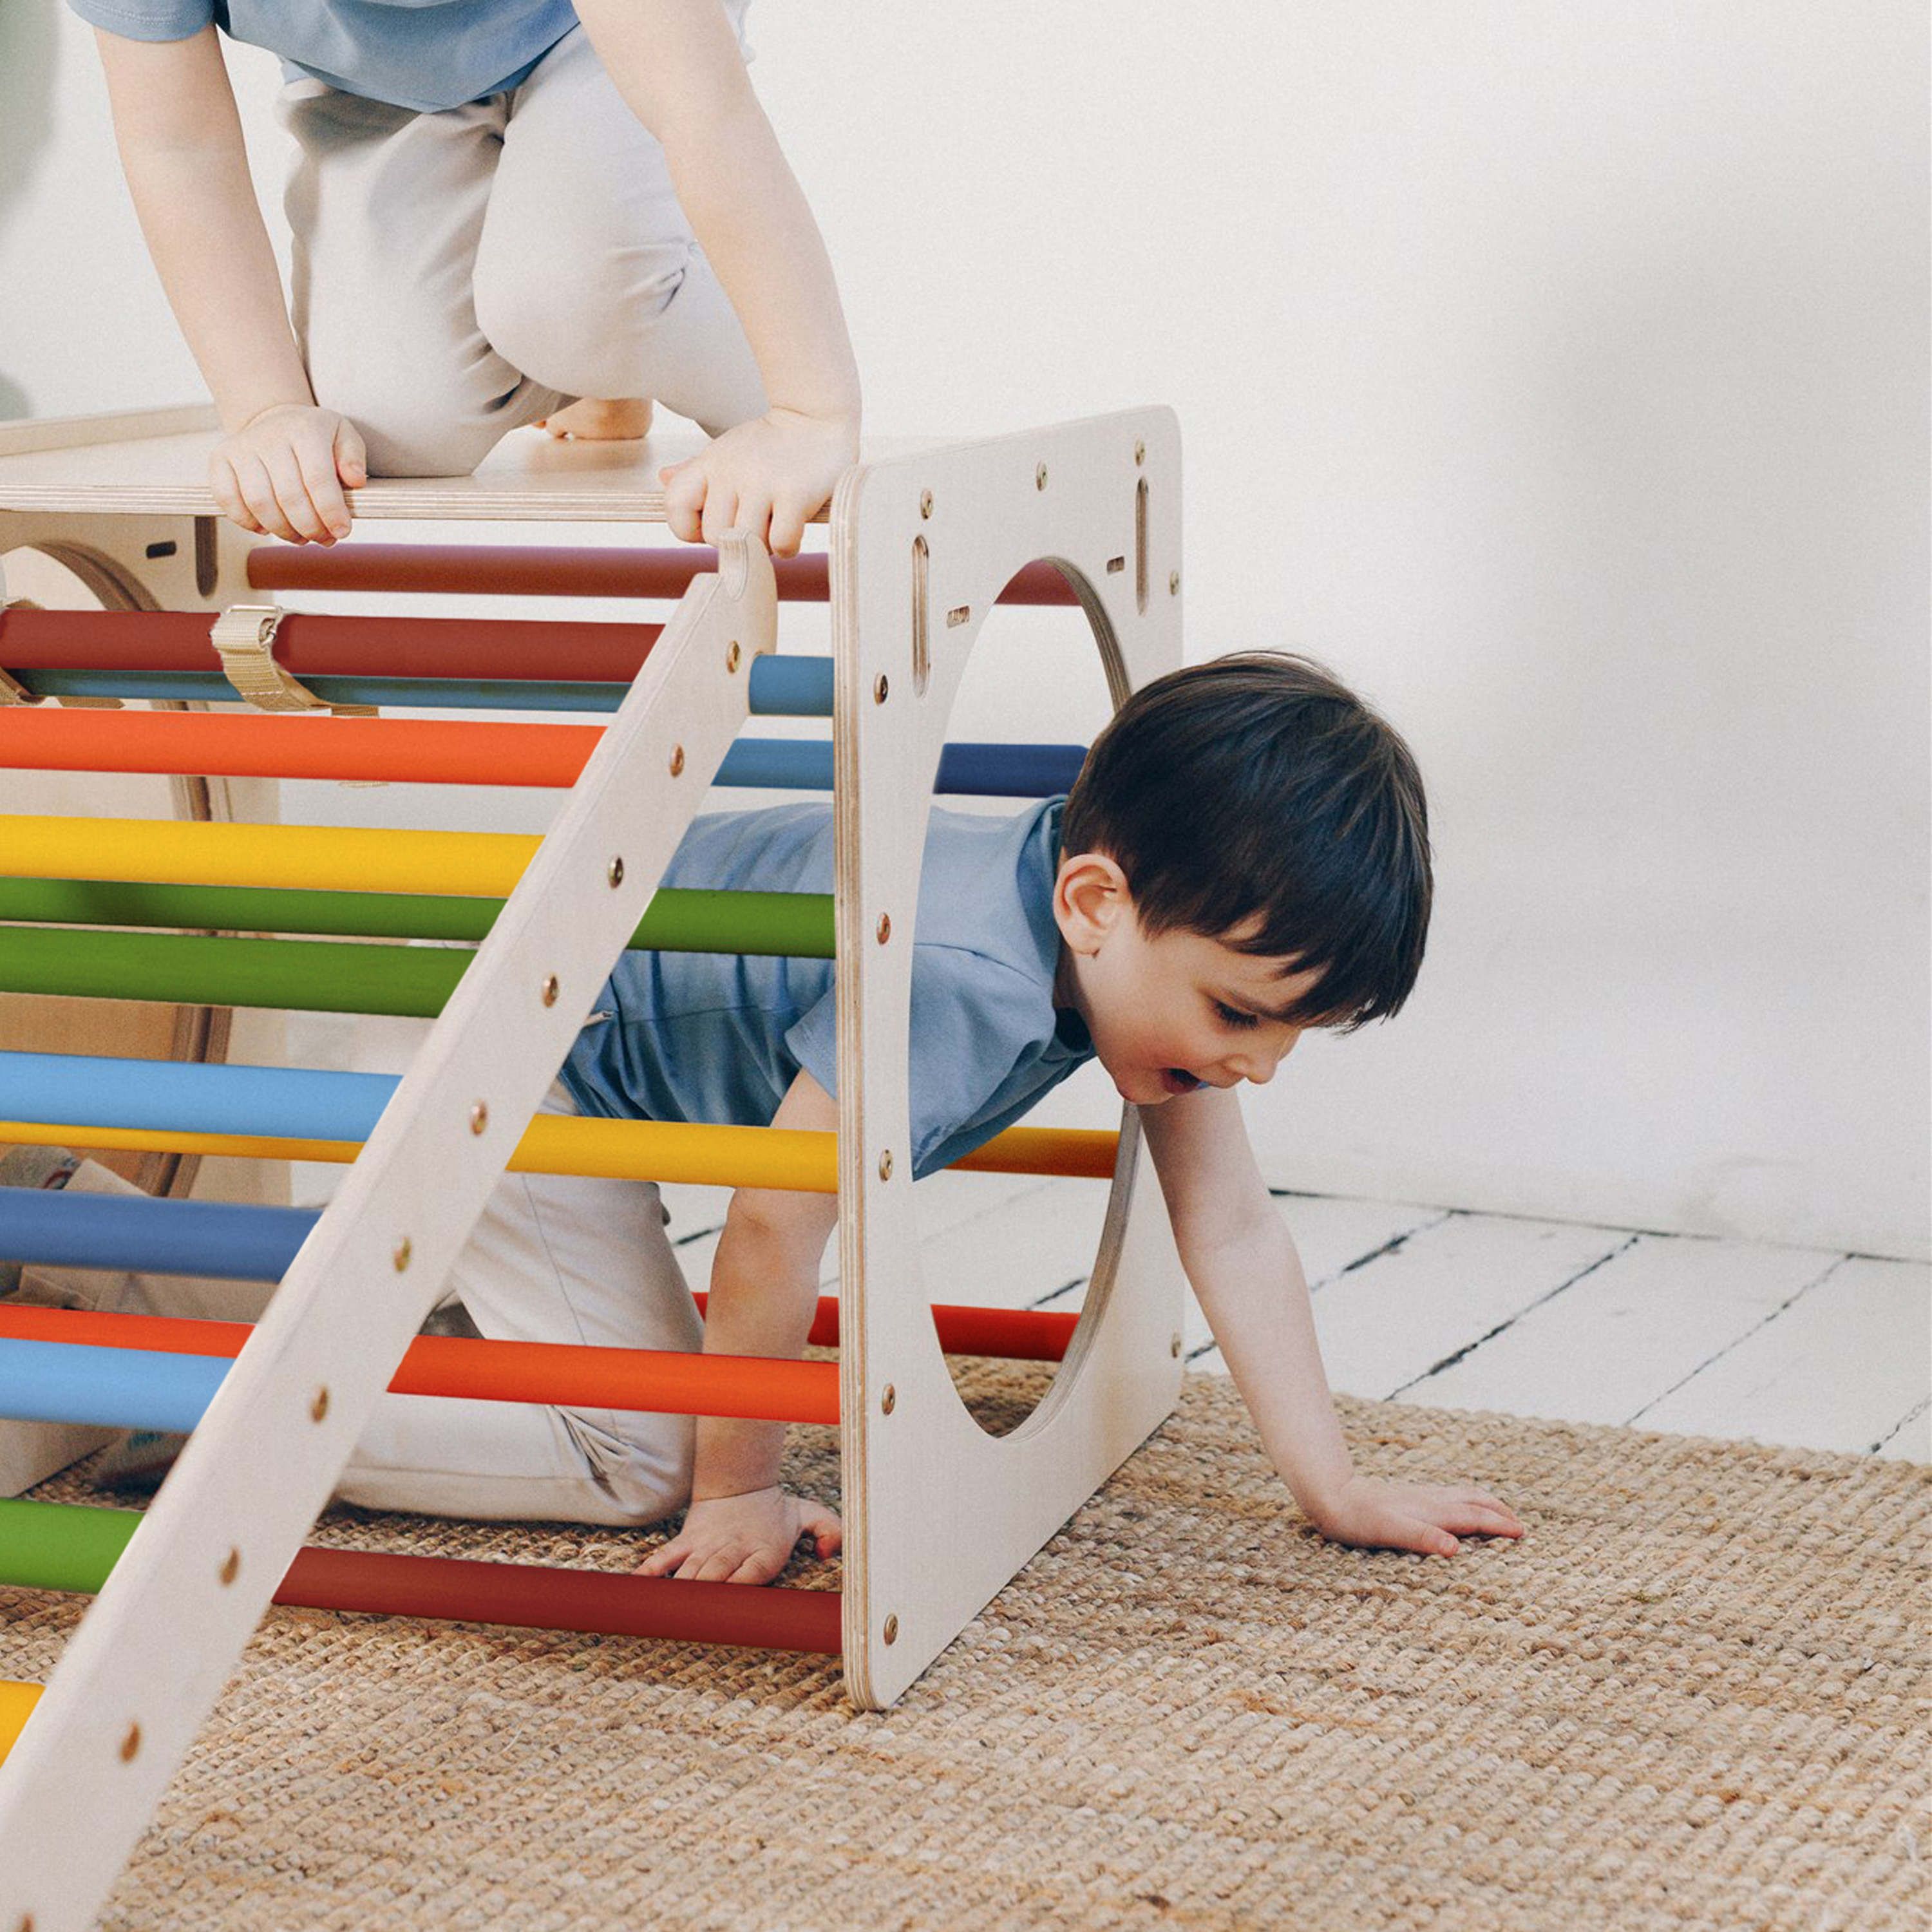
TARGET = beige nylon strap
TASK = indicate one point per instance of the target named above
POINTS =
(244, 637)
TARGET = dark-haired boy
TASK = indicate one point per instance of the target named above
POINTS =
(1245, 855)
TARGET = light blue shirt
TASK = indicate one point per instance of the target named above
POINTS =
(717, 1037)
(426, 55)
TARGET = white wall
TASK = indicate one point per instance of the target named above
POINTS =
(1557, 372)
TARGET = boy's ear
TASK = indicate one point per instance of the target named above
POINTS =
(1089, 900)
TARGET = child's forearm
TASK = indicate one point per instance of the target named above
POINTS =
(1254, 1295)
(679, 71)
(764, 1292)
(187, 167)
(751, 216)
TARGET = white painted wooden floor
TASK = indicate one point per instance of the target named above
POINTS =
(1796, 1346)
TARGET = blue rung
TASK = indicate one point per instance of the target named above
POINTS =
(794, 686)
(61, 1228)
(192, 1097)
(107, 1388)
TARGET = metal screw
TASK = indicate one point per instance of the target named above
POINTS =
(479, 1116)
(1174, 1347)
(1174, 584)
(130, 1744)
(1140, 454)
(232, 1568)
(891, 1629)
(880, 689)
(885, 1164)
(889, 1401)
(885, 927)
(1040, 478)
(318, 1408)
(614, 872)
(401, 1256)
(549, 989)
(676, 759)
(925, 502)
(731, 657)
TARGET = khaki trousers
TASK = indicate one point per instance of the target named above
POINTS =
(456, 275)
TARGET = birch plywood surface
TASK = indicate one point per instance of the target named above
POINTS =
(157, 464)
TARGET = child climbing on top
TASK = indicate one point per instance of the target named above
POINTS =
(1243, 857)
(502, 212)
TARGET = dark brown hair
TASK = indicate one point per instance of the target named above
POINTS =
(1259, 786)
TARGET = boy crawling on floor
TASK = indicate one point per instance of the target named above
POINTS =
(1245, 855)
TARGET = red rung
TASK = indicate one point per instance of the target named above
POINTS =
(530, 1597)
(482, 570)
(497, 650)
(662, 1381)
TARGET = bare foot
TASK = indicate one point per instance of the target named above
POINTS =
(591, 421)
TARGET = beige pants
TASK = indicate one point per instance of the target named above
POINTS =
(459, 275)
(555, 1258)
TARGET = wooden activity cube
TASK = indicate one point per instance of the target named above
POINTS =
(923, 541)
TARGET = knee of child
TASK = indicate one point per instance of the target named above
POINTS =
(414, 421)
(579, 322)
(644, 1464)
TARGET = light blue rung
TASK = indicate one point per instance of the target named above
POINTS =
(106, 1388)
(192, 1097)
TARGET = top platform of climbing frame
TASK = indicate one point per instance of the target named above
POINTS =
(155, 462)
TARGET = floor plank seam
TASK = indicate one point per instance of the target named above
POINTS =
(1905, 1422)
(1737, 1341)
(1065, 1288)
(1388, 1247)
(1510, 1322)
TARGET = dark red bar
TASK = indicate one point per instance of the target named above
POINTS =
(307, 646)
(463, 569)
(459, 1590)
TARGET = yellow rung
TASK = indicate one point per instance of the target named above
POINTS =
(17, 1706)
(315, 858)
(776, 1157)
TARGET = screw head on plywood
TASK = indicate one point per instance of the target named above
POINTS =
(889, 1399)
(130, 1744)
(731, 657)
(614, 872)
(891, 1629)
(885, 1164)
(1040, 478)
(549, 989)
(885, 927)
(880, 689)
(676, 759)
(479, 1116)
(925, 503)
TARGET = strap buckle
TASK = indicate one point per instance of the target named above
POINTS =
(244, 637)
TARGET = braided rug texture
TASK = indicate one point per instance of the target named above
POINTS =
(1693, 1696)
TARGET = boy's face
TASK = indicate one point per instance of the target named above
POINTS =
(1172, 1013)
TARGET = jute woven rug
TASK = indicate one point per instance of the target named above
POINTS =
(1692, 1696)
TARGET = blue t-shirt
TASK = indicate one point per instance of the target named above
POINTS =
(426, 55)
(720, 1037)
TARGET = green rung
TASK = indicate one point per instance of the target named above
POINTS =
(61, 1546)
(797, 926)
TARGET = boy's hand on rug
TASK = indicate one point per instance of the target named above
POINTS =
(766, 476)
(1373, 1515)
(745, 1539)
(283, 472)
